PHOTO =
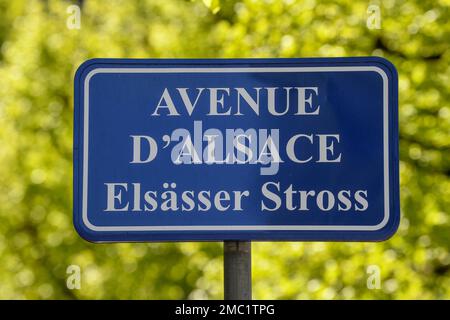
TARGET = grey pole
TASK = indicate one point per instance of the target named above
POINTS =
(237, 270)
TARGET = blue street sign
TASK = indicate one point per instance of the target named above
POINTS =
(236, 149)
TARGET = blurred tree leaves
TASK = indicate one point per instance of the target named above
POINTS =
(39, 56)
(213, 5)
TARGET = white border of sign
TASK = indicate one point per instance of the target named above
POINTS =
(379, 226)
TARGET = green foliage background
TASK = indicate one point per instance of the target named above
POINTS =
(38, 58)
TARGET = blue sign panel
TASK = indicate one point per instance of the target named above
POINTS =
(236, 149)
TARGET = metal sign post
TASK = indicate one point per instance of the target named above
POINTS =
(237, 269)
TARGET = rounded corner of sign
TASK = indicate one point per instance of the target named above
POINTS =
(385, 67)
(85, 231)
(81, 74)
(389, 229)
